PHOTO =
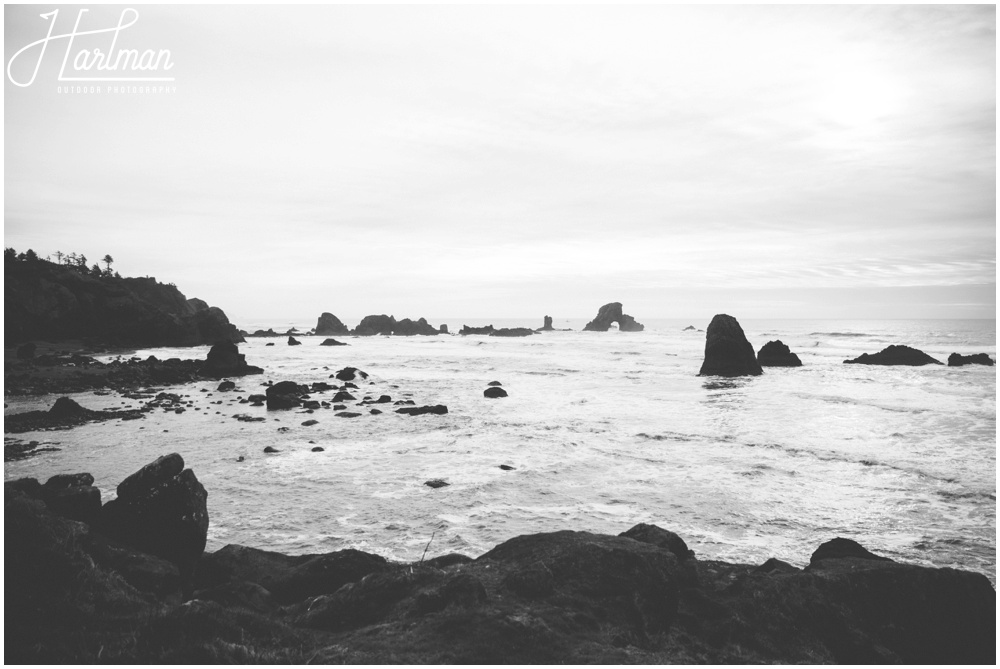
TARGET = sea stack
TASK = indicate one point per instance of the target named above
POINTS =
(727, 351)
(328, 324)
(958, 360)
(547, 325)
(777, 354)
(895, 355)
(612, 313)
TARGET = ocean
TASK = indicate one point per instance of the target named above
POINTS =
(602, 430)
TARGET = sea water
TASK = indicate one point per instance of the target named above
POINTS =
(603, 431)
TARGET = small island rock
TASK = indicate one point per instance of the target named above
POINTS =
(727, 351)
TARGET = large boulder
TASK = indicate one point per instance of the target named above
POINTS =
(547, 325)
(332, 342)
(895, 355)
(328, 324)
(289, 578)
(957, 360)
(161, 509)
(285, 395)
(727, 351)
(292, 341)
(777, 354)
(225, 359)
(612, 313)
(375, 325)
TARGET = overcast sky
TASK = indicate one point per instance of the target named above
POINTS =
(466, 161)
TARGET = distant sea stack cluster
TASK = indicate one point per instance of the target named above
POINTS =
(729, 353)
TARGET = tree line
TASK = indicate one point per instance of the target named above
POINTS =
(76, 261)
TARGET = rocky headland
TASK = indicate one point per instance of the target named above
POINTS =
(128, 581)
(55, 302)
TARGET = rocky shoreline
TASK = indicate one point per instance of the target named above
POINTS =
(128, 581)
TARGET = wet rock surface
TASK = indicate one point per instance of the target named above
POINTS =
(958, 360)
(612, 313)
(777, 354)
(80, 595)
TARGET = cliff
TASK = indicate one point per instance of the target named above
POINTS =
(46, 301)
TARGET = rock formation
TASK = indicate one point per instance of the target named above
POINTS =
(895, 355)
(375, 325)
(225, 359)
(332, 342)
(494, 392)
(777, 354)
(466, 330)
(957, 360)
(285, 395)
(727, 351)
(512, 332)
(443, 329)
(612, 313)
(328, 324)
(46, 301)
(76, 595)
(292, 341)
(408, 328)
(547, 325)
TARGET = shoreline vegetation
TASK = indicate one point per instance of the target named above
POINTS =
(129, 581)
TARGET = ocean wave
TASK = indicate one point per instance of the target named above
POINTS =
(840, 334)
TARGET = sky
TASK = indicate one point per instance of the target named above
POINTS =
(468, 161)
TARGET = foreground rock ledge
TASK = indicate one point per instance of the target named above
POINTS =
(73, 595)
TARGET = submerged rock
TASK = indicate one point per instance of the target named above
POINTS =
(957, 360)
(727, 351)
(512, 332)
(494, 392)
(332, 342)
(436, 483)
(285, 395)
(895, 355)
(612, 313)
(777, 354)
(417, 411)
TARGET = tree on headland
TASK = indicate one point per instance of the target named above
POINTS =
(107, 260)
(59, 256)
(95, 270)
(9, 254)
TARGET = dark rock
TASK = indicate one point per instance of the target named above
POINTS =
(466, 330)
(547, 326)
(317, 449)
(512, 332)
(226, 386)
(327, 325)
(239, 594)
(312, 405)
(494, 391)
(657, 536)
(160, 512)
(225, 359)
(289, 578)
(347, 414)
(612, 313)
(285, 395)
(320, 386)
(776, 566)
(64, 481)
(26, 351)
(461, 591)
(690, 327)
(64, 407)
(310, 422)
(777, 354)
(374, 412)
(842, 548)
(443, 329)
(271, 449)
(445, 561)
(350, 374)
(957, 360)
(727, 351)
(143, 571)
(436, 483)
(895, 355)
(270, 343)
(81, 503)
(332, 342)
(417, 411)
(507, 468)
(494, 383)
(344, 396)
(375, 325)
(406, 327)
(292, 341)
